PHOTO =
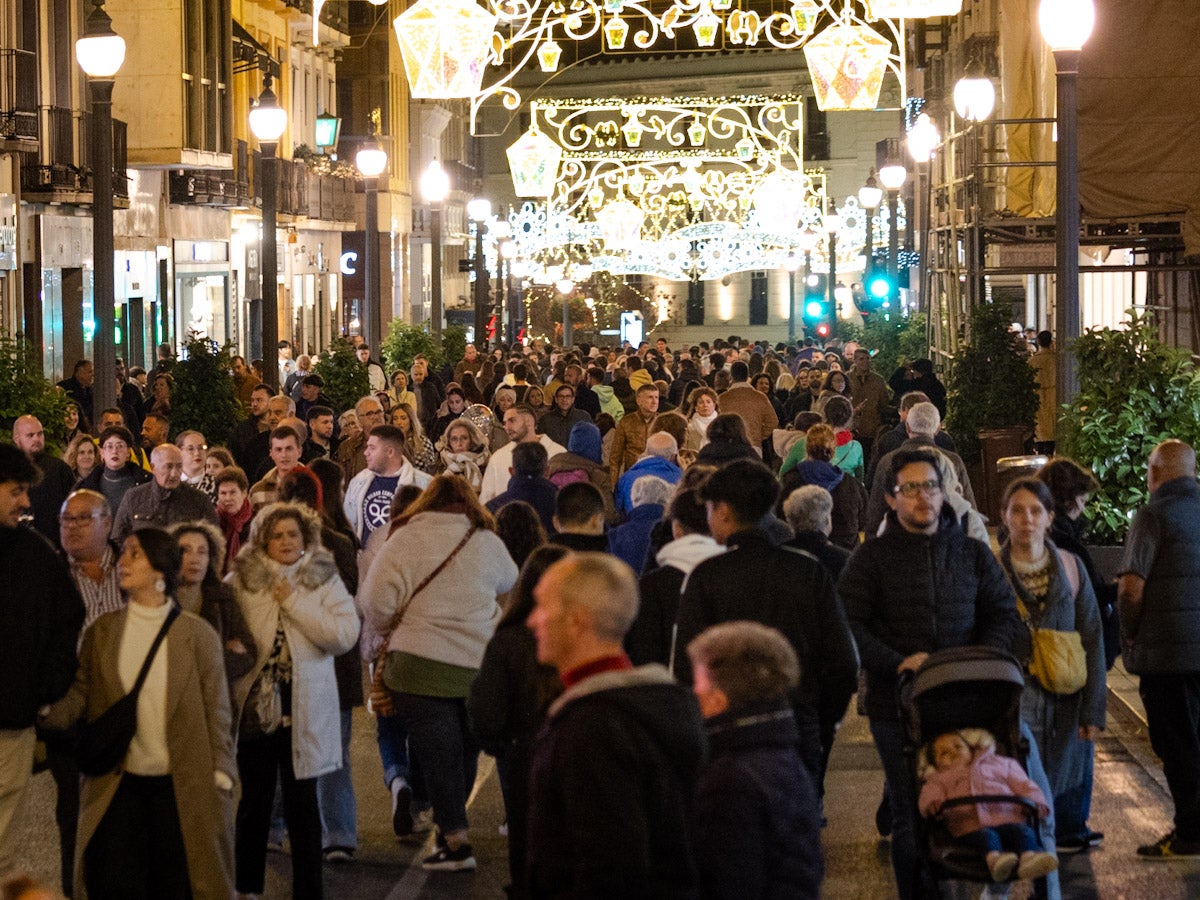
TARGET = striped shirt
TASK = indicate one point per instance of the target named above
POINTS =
(99, 597)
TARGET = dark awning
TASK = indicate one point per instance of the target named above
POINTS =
(250, 54)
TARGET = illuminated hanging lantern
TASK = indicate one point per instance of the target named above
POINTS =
(804, 15)
(633, 130)
(779, 200)
(613, 6)
(548, 55)
(621, 224)
(533, 161)
(706, 27)
(912, 9)
(847, 63)
(616, 30)
(722, 4)
(636, 183)
(445, 46)
(696, 132)
(745, 149)
(595, 196)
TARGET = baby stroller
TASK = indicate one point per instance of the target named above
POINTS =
(963, 687)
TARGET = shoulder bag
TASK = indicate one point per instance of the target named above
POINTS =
(379, 700)
(104, 741)
(1059, 662)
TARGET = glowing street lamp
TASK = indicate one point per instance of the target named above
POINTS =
(268, 121)
(870, 195)
(974, 94)
(372, 161)
(1066, 25)
(100, 53)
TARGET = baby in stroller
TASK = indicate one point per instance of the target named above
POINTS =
(966, 783)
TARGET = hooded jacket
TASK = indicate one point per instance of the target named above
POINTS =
(987, 773)
(650, 635)
(608, 401)
(614, 768)
(820, 473)
(647, 465)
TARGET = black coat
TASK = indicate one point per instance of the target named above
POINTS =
(829, 554)
(41, 614)
(718, 453)
(614, 770)
(347, 667)
(586, 399)
(907, 593)
(47, 496)
(649, 637)
(792, 592)
(756, 823)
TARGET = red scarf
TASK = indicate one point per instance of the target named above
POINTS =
(595, 667)
(231, 526)
(843, 438)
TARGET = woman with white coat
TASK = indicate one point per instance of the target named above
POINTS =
(301, 617)
(434, 588)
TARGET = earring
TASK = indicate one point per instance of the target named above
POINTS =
(160, 586)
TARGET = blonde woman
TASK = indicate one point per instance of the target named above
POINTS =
(81, 455)
(399, 392)
(420, 448)
(463, 451)
(703, 408)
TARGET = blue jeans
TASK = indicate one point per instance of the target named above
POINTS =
(441, 741)
(392, 738)
(335, 794)
(1073, 802)
(1011, 838)
(901, 784)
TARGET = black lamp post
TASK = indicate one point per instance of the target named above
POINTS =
(479, 211)
(100, 53)
(268, 122)
(435, 186)
(372, 161)
(1066, 25)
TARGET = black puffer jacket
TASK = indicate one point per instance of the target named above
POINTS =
(782, 588)
(908, 593)
(614, 770)
(756, 822)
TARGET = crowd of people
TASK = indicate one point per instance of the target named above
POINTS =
(647, 581)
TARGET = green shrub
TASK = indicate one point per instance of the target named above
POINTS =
(345, 378)
(1134, 391)
(204, 398)
(403, 344)
(894, 339)
(991, 383)
(24, 390)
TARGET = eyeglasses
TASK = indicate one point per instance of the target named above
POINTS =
(912, 488)
(79, 520)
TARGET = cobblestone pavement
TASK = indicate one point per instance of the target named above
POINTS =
(1130, 805)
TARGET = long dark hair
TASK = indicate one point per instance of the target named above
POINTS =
(162, 553)
(535, 567)
(520, 529)
(329, 473)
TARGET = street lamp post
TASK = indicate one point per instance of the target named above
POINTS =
(435, 186)
(892, 177)
(566, 287)
(100, 54)
(870, 195)
(791, 262)
(832, 223)
(508, 253)
(372, 161)
(479, 211)
(268, 122)
(1066, 26)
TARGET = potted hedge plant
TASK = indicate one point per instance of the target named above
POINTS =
(992, 398)
(346, 380)
(1134, 391)
(204, 398)
(24, 390)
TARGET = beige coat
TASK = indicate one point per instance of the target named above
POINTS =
(197, 708)
(1047, 417)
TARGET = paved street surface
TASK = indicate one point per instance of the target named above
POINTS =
(1130, 806)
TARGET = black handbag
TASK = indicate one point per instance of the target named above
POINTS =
(104, 741)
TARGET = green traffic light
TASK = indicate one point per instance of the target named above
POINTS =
(814, 309)
(879, 287)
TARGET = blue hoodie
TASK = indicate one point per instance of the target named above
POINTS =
(820, 473)
(585, 441)
(647, 465)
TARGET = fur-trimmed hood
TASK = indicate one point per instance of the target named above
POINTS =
(254, 571)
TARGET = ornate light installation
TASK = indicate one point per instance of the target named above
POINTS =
(445, 45)
(533, 161)
(847, 62)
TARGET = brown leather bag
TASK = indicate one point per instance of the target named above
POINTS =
(379, 698)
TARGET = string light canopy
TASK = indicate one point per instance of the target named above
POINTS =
(445, 45)
(847, 63)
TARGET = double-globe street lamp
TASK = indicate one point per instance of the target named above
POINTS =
(1066, 25)
(892, 176)
(268, 121)
(870, 195)
(435, 187)
(100, 53)
(372, 161)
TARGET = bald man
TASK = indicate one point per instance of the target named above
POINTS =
(1159, 595)
(55, 482)
(164, 500)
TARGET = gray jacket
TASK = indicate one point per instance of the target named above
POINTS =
(149, 504)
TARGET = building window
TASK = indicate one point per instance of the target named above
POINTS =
(758, 298)
(816, 131)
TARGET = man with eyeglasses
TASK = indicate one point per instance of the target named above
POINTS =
(350, 454)
(562, 416)
(84, 522)
(920, 586)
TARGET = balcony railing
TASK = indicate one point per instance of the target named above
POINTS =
(228, 188)
(18, 96)
(300, 192)
(64, 163)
